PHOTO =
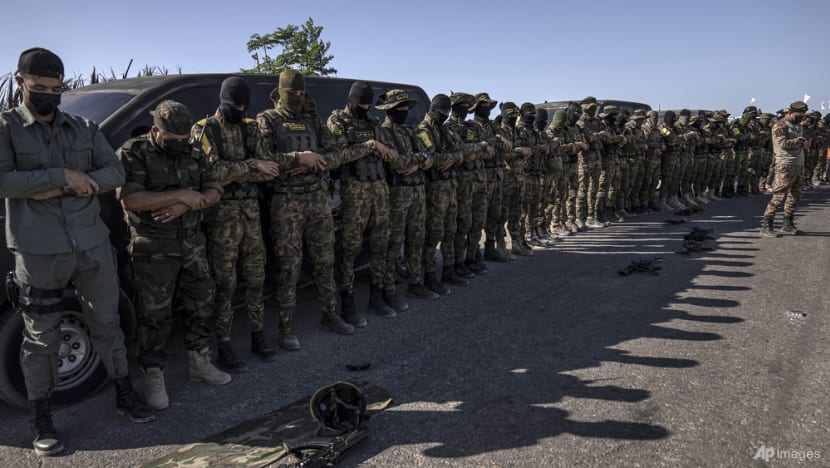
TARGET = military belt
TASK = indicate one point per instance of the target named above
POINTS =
(296, 189)
(178, 234)
(237, 191)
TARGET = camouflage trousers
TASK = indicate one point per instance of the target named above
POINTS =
(297, 219)
(730, 168)
(606, 186)
(651, 177)
(702, 168)
(550, 192)
(472, 213)
(588, 176)
(365, 208)
(810, 160)
(715, 172)
(92, 273)
(786, 189)
(442, 213)
(622, 179)
(688, 168)
(234, 237)
(530, 202)
(564, 207)
(183, 274)
(407, 231)
(493, 188)
(511, 207)
(742, 167)
(637, 173)
(668, 175)
(820, 172)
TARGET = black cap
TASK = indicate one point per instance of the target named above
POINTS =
(40, 62)
(235, 91)
(685, 113)
(361, 93)
(440, 102)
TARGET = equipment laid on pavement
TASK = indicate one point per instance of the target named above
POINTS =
(649, 266)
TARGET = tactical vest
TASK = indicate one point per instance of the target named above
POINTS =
(234, 190)
(393, 177)
(298, 134)
(485, 133)
(434, 174)
(367, 168)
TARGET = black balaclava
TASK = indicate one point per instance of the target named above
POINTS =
(573, 112)
(460, 110)
(541, 119)
(397, 115)
(509, 112)
(620, 121)
(669, 118)
(360, 93)
(528, 113)
(483, 110)
(684, 117)
(237, 92)
(439, 108)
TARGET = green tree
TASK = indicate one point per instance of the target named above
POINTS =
(300, 48)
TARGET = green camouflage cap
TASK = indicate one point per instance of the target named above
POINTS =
(173, 117)
(589, 100)
(468, 100)
(638, 114)
(798, 106)
(608, 111)
(394, 98)
(483, 98)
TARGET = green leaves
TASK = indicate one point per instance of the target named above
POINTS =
(300, 48)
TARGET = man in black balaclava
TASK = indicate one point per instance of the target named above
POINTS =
(668, 167)
(514, 178)
(566, 136)
(653, 161)
(233, 228)
(526, 135)
(589, 164)
(442, 205)
(365, 206)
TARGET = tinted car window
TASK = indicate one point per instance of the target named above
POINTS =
(94, 106)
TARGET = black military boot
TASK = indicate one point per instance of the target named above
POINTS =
(349, 310)
(419, 291)
(788, 227)
(767, 230)
(44, 436)
(332, 321)
(448, 276)
(260, 347)
(462, 271)
(377, 304)
(479, 263)
(431, 283)
(532, 240)
(392, 300)
(288, 340)
(129, 403)
(226, 359)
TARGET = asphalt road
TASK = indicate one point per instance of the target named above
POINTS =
(553, 360)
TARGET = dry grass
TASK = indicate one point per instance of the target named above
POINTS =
(10, 95)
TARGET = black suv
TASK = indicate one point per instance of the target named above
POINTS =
(122, 109)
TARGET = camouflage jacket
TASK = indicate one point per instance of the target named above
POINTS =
(669, 137)
(468, 142)
(741, 133)
(635, 140)
(402, 139)
(785, 144)
(528, 136)
(656, 145)
(686, 138)
(310, 134)
(150, 169)
(513, 159)
(590, 127)
(565, 138)
(610, 139)
(442, 146)
(485, 131)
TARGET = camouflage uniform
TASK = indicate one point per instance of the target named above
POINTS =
(765, 149)
(443, 147)
(653, 161)
(823, 129)
(527, 136)
(494, 175)
(233, 226)
(687, 137)
(609, 176)
(742, 134)
(566, 136)
(300, 211)
(789, 146)
(513, 183)
(168, 259)
(700, 151)
(636, 159)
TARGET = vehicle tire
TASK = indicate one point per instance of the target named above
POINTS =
(80, 370)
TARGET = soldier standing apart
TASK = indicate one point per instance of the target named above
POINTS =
(167, 188)
(233, 226)
(297, 140)
(407, 198)
(442, 205)
(365, 207)
(788, 146)
(52, 166)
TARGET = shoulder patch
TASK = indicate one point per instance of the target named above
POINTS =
(736, 131)
(424, 137)
(665, 131)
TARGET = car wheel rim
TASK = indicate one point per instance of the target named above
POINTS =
(76, 359)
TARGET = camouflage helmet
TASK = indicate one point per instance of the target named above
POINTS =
(483, 99)
(172, 117)
(394, 98)
(340, 406)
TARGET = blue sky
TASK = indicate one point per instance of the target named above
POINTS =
(703, 54)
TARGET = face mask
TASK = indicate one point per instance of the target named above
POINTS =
(483, 112)
(398, 115)
(684, 120)
(44, 103)
(292, 102)
(529, 119)
(438, 117)
(540, 124)
(231, 114)
(358, 111)
(175, 147)
(652, 120)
